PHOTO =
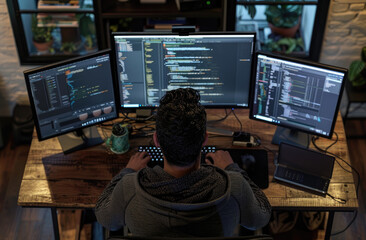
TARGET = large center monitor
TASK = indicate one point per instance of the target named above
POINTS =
(218, 65)
(296, 94)
(71, 95)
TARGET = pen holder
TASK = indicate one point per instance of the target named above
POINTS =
(118, 141)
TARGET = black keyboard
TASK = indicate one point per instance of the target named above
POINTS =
(303, 179)
(258, 172)
(157, 155)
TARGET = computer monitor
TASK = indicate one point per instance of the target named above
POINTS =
(71, 95)
(217, 64)
(299, 96)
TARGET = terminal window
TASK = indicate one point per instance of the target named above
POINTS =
(218, 67)
(74, 95)
(295, 94)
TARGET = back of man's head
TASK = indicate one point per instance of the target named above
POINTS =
(181, 126)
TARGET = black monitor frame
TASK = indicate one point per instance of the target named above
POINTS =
(164, 34)
(29, 72)
(300, 61)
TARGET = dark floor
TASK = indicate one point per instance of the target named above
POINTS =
(35, 223)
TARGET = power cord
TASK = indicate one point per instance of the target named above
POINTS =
(349, 224)
(221, 119)
(358, 178)
(241, 125)
(336, 156)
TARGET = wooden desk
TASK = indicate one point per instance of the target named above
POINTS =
(52, 179)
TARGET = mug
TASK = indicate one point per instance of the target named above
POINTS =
(119, 143)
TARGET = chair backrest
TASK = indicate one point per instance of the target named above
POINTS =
(255, 237)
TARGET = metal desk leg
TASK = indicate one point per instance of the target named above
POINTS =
(347, 111)
(55, 223)
(328, 231)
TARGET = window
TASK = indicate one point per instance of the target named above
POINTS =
(282, 26)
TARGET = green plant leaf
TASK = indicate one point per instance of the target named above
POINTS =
(363, 54)
(355, 70)
(252, 11)
(285, 16)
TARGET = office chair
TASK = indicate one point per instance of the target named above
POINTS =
(255, 237)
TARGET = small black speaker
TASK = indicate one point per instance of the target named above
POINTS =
(5, 126)
(23, 124)
(2, 138)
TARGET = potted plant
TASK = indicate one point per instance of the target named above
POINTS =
(87, 30)
(42, 36)
(285, 45)
(89, 43)
(357, 71)
(283, 19)
(68, 47)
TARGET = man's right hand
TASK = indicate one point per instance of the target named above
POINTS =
(220, 158)
(138, 161)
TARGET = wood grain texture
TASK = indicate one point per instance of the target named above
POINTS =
(76, 180)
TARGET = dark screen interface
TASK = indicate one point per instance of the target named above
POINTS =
(296, 95)
(217, 66)
(73, 96)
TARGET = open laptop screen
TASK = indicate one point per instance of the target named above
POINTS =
(306, 160)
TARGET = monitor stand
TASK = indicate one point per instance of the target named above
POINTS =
(291, 136)
(80, 139)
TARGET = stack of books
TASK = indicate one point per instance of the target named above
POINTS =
(57, 20)
(58, 5)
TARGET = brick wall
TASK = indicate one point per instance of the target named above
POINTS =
(12, 86)
(345, 35)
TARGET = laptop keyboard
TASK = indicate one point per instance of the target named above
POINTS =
(306, 180)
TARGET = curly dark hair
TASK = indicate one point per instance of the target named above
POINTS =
(181, 126)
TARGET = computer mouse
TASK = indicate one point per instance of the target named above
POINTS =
(247, 161)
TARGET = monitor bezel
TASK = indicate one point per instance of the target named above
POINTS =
(58, 64)
(301, 61)
(185, 34)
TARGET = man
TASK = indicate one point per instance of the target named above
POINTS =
(184, 198)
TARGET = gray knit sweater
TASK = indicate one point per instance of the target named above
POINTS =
(207, 202)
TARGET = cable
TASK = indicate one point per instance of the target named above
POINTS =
(358, 178)
(349, 224)
(138, 119)
(337, 199)
(336, 156)
(221, 119)
(241, 125)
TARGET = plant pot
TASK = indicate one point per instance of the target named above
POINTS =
(286, 32)
(44, 46)
(89, 49)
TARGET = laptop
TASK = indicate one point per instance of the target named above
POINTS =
(304, 168)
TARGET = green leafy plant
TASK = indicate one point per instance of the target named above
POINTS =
(285, 45)
(357, 70)
(252, 11)
(41, 34)
(86, 25)
(68, 47)
(89, 41)
(87, 30)
(122, 25)
(285, 16)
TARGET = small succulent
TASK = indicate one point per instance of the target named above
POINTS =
(118, 129)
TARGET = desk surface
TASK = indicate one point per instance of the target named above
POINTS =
(52, 179)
